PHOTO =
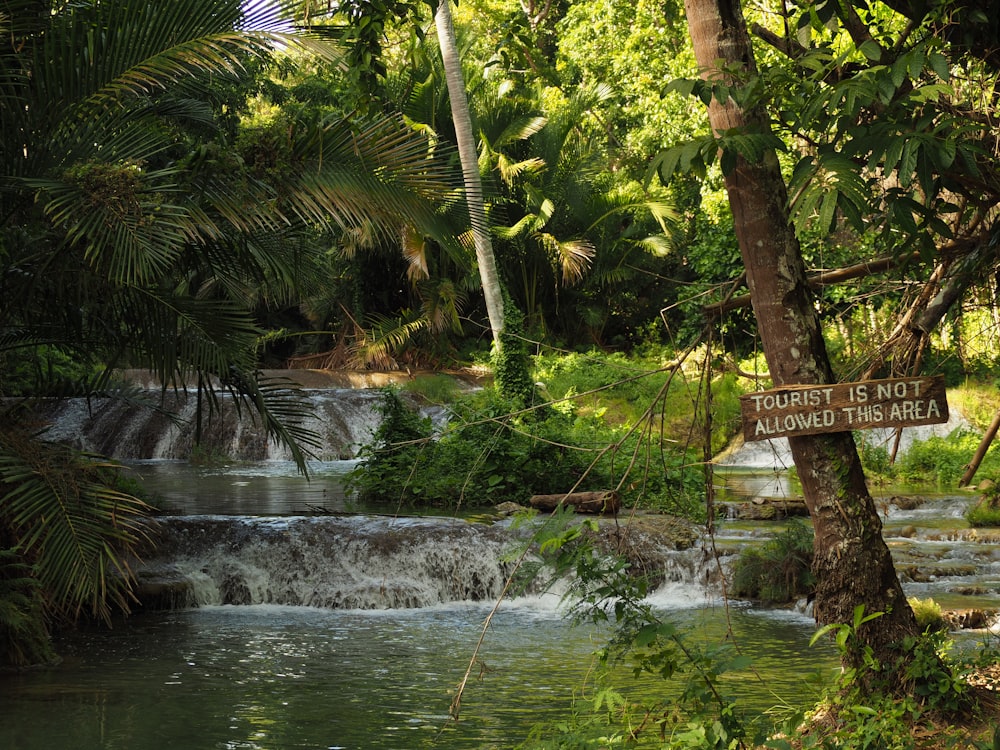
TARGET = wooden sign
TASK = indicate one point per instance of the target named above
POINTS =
(842, 407)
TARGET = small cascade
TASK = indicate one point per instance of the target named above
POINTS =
(347, 562)
(343, 419)
(776, 455)
(357, 562)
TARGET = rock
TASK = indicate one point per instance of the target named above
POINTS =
(651, 543)
(970, 590)
(969, 619)
(163, 589)
(906, 503)
(766, 509)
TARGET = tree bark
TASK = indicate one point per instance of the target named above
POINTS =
(465, 136)
(852, 563)
(984, 445)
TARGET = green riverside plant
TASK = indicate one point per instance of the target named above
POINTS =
(777, 571)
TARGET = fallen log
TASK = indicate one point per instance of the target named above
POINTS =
(599, 501)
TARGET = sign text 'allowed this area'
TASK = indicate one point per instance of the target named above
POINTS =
(814, 409)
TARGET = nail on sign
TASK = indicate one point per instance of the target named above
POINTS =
(814, 409)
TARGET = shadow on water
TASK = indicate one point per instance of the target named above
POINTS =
(295, 677)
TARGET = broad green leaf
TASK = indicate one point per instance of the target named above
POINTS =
(828, 211)
(871, 50)
(939, 64)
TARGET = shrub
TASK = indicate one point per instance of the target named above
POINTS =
(987, 511)
(940, 460)
(24, 633)
(435, 389)
(874, 456)
(928, 613)
(779, 570)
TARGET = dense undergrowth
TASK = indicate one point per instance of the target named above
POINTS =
(607, 421)
(593, 423)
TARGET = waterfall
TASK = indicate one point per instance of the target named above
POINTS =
(357, 562)
(344, 562)
(343, 419)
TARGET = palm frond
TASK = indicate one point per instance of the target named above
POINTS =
(282, 409)
(657, 244)
(442, 305)
(571, 258)
(414, 248)
(80, 553)
(386, 338)
(126, 228)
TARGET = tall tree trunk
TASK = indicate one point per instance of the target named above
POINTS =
(852, 563)
(470, 168)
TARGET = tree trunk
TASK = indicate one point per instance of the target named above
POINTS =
(470, 168)
(852, 563)
(601, 501)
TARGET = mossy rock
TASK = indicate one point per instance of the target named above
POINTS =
(648, 542)
(969, 619)
(766, 509)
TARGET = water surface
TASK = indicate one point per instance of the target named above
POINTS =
(267, 677)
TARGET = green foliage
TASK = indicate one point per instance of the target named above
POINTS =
(942, 460)
(511, 363)
(928, 613)
(874, 456)
(89, 529)
(884, 706)
(394, 456)
(491, 452)
(24, 634)
(435, 389)
(987, 511)
(777, 571)
(70, 527)
(41, 371)
(484, 457)
(364, 35)
(983, 515)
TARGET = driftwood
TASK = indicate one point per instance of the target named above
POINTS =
(601, 501)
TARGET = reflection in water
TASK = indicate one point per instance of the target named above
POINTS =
(292, 677)
(268, 488)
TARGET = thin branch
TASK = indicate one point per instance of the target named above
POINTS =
(823, 278)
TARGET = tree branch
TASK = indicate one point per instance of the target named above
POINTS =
(824, 278)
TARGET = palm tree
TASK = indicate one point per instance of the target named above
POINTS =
(465, 137)
(136, 231)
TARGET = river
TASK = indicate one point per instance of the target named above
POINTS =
(267, 676)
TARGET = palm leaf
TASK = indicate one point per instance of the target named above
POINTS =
(387, 337)
(571, 258)
(80, 553)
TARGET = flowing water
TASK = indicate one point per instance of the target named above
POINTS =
(352, 631)
(300, 622)
(266, 676)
